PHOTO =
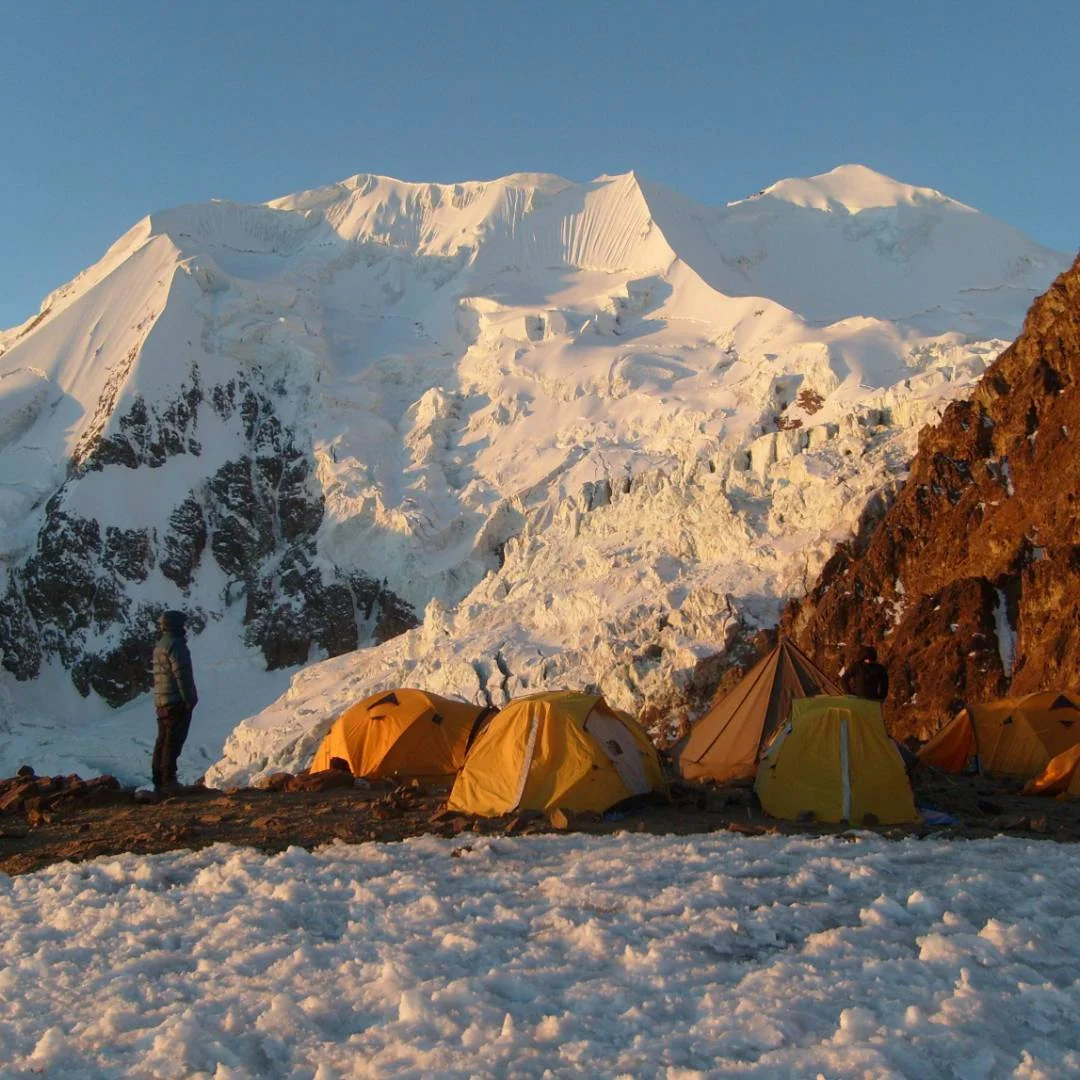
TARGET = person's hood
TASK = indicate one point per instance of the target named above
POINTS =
(172, 621)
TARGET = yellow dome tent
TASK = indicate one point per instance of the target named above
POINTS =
(400, 733)
(562, 749)
(1010, 737)
(834, 759)
(727, 741)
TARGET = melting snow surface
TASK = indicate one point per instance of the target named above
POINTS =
(624, 956)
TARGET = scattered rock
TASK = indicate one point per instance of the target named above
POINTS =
(278, 781)
(745, 828)
(15, 796)
(524, 821)
(77, 828)
(328, 780)
(1009, 823)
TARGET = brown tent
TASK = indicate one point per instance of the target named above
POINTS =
(727, 741)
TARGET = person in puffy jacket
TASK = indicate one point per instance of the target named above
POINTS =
(174, 698)
(867, 678)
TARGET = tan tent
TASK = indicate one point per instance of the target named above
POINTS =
(560, 749)
(833, 760)
(1010, 737)
(726, 743)
(408, 734)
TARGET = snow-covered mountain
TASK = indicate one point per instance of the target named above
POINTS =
(568, 433)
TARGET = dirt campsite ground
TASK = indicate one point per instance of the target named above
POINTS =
(45, 820)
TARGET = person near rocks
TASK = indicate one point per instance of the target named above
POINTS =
(867, 678)
(174, 698)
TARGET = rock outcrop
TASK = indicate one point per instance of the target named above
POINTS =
(969, 585)
(256, 517)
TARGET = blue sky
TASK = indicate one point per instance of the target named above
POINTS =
(113, 110)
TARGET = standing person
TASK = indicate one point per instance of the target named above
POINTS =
(174, 698)
(867, 678)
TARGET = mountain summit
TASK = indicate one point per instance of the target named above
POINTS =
(855, 188)
(493, 435)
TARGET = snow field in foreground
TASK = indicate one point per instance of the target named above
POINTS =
(549, 956)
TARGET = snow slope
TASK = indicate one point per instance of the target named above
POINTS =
(583, 431)
(854, 242)
(678, 957)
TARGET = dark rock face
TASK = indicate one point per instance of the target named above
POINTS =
(184, 542)
(146, 435)
(256, 517)
(970, 584)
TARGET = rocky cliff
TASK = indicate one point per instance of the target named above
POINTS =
(254, 519)
(969, 585)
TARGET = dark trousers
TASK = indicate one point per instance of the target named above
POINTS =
(173, 722)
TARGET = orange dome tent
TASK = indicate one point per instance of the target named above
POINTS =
(400, 733)
(562, 749)
(1010, 737)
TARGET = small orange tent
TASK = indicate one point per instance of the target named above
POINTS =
(1011, 737)
(727, 741)
(400, 733)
